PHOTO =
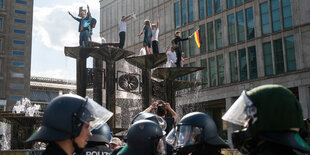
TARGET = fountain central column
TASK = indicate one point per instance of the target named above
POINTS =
(146, 63)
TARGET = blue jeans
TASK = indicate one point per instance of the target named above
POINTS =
(84, 35)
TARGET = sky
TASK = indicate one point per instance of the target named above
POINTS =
(53, 29)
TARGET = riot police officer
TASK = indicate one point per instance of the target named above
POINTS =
(152, 117)
(67, 122)
(144, 138)
(272, 117)
(98, 143)
(196, 134)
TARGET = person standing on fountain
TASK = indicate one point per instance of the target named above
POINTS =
(147, 36)
(171, 57)
(176, 44)
(155, 32)
(84, 26)
(122, 30)
(183, 59)
(67, 122)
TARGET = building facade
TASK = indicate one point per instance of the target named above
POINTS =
(244, 44)
(15, 50)
(43, 90)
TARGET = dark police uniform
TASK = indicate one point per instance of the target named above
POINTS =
(97, 150)
(53, 149)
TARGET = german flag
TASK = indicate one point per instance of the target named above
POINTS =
(196, 35)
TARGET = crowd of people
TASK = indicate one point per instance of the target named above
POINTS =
(271, 117)
(150, 41)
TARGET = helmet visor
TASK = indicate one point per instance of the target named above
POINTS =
(94, 114)
(187, 135)
(171, 137)
(241, 112)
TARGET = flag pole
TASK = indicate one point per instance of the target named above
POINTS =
(194, 32)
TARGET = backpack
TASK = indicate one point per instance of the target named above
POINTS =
(174, 45)
(92, 24)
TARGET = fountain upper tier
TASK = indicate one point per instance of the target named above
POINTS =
(147, 61)
(174, 72)
(103, 51)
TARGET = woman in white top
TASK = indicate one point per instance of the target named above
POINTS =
(171, 57)
(155, 32)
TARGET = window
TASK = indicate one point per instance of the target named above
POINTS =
(202, 9)
(264, 14)
(184, 12)
(177, 14)
(230, 3)
(218, 33)
(1, 3)
(252, 62)
(275, 15)
(267, 59)
(20, 12)
(17, 75)
(250, 23)
(231, 29)
(19, 31)
(18, 64)
(190, 11)
(15, 98)
(17, 86)
(204, 73)
(287, 14)
(192, 44)
(19, 42)
(240, 26)
(290, 53)
(19, 53)
(21, 2)
(185, 44)
(220, 69)
(202, 38)
(209, 8)
(233, 66)
(278, 56)
(20, 21)
(1, 23)
(238, 2)
(217, 6)
(210, 36)
(212, 69)
(243, 65)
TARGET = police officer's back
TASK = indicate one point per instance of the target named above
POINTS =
(98, 143)
(272, 117)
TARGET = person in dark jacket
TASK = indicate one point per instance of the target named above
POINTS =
(67, 122)
(176, 44)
